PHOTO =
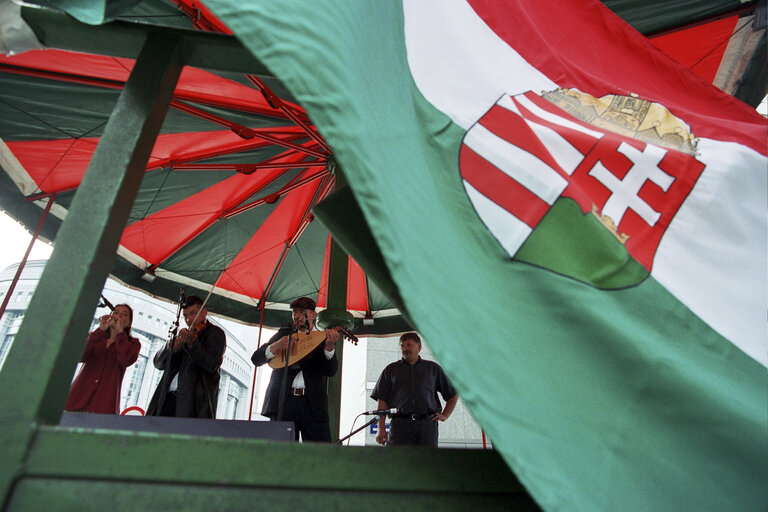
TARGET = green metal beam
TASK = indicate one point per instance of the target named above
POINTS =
(38, 371)
(78, 469)
(132, 457)
(336, 313)
(205, 50)
(337, 302)
(96, 496)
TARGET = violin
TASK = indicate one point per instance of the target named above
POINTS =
(188, 335)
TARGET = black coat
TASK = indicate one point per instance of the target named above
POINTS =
(315, 366)
(198, 366)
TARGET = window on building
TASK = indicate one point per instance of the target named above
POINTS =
(131, 395)
(6, 344)
(231, 406)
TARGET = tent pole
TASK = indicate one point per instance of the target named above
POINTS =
(256, 368)
(23, 263)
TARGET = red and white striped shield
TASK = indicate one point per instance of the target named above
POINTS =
(624, 159)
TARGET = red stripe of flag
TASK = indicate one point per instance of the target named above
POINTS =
(501, 189)
(581, 141)
(599, 65)
(511, 127)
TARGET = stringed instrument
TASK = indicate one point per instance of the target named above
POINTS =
(303, 344)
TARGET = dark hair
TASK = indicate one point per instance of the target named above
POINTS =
(191, 301)
(130, 311)
(411, 336)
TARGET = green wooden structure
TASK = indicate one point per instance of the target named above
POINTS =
(49, 467)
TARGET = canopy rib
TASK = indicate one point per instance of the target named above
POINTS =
(271, 198)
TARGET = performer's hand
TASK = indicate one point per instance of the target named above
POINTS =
(178, 340)
(104, 322)
(279, 345)
(439, 417)
(117, 325)
(331, 337)
(382, 436)
(188, 336)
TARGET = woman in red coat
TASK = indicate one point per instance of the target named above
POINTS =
(110, 349)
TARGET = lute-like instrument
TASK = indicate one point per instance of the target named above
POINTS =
(303, 344)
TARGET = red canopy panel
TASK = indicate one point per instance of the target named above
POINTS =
(158, 236)
(250, 273)
(55, 165)
(357, 288)
(357, 284)
(59, 165)
(194, 84)
(701, 48)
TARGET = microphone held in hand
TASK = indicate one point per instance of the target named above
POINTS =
(382, 412)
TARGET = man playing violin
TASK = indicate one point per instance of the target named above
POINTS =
(305, 400)
(191, 362)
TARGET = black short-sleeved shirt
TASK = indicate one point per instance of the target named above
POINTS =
(413, 388)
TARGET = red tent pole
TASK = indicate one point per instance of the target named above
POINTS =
(255, 369)
(26, 255)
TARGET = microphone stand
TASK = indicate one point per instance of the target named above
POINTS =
(172, 335)
(370, 422)
(105, 302)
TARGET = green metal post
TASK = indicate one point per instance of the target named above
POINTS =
(336, 313)
(36, 376)
(337, 300)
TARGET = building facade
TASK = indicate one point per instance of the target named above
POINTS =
(152, 324)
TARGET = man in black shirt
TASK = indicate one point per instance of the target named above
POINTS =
(411, 385)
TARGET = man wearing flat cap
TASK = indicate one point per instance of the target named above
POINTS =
(305, 401)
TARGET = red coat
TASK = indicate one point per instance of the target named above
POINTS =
(97, 387)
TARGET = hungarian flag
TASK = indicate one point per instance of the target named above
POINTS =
(575, 222)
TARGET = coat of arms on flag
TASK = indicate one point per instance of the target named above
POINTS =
(627, 162)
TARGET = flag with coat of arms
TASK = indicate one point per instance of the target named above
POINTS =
(575, 223)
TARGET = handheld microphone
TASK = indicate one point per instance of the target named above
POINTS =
(307, 325)
(382, 412)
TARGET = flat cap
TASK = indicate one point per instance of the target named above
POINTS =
(303, 303)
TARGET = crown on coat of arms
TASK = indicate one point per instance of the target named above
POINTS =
(628, 115)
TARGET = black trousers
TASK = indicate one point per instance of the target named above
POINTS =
(169, 404)
(405, 431)
(297, 410)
